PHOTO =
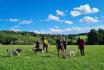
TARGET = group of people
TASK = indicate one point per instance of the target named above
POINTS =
(61, 44)
(44, 42)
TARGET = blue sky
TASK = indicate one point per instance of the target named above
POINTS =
(51, 16)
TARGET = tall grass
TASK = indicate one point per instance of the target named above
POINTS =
(28, 60)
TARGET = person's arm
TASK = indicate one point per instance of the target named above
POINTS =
(56, 43)
(83, 42)
(66, 42)
(77, 42)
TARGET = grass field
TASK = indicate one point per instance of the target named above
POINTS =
(93, 60)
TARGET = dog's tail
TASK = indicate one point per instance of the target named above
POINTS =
(9, 52)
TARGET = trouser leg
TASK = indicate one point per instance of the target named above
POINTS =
(46, 48)
(65, 47)
(43, 47)
(58, 52)
(62, 51)
(83, 51)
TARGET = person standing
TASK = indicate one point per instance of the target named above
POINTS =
(59, 45)
(56, 39)
(64, 43)
(45, 44)
(81, 44)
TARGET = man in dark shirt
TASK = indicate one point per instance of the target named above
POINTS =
(59, 45)
(81, 43)
(64, 43)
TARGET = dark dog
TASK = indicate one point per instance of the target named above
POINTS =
(19, 50)
(37, 50)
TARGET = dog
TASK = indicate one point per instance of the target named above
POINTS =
(70, 53)
(19, 50)
(37, 50)
(14, 52)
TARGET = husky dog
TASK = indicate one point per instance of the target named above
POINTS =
(19, 50)
(70, 53)
(14, 52)
(37, 50)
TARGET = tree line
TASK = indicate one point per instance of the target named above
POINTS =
(28, 38)
(96, 37)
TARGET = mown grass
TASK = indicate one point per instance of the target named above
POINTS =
(93, 60)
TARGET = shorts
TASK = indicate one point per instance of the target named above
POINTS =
(45, 45)
(59, 47)
(81, 47)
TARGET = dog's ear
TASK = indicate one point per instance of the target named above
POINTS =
(18, 50)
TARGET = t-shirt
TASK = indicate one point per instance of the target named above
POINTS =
(65, 42)
(81, 42)
(45, 41)
(59, 42)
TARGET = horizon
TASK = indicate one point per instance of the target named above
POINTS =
(52, 16)
(44, 33)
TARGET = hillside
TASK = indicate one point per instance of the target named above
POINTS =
(28, 38)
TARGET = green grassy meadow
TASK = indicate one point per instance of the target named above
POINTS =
(28, 60)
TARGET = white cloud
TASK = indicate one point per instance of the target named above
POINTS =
(19, 21)
(95, 10)
(83, 9)
(55, 18)
(56, 27)
(76, 30)
(72, 30)
(35, 31)
(68, 29)
(53, 30)
(88, 19)
(25, 22)
(68, 22)
(52, 17)
(15, 28)
(59, 13)
(13, 20)
(75, 13)
(102, 27)
(98, 27)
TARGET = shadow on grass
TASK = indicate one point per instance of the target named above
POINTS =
(4, 56)
(2, 68)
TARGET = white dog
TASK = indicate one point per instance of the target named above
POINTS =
(70, 53)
